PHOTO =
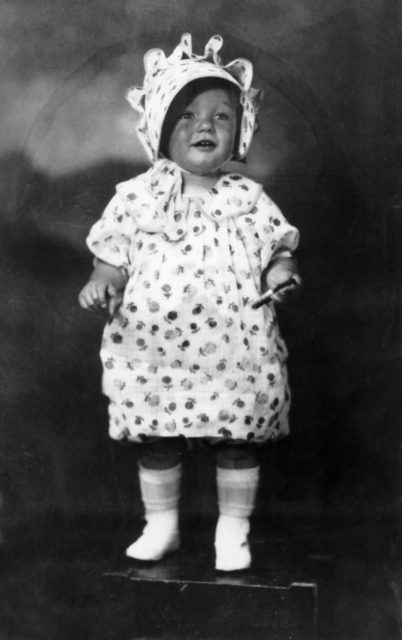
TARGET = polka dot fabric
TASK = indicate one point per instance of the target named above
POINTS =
(186, 354)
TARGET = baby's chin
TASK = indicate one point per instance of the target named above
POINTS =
(205, 169)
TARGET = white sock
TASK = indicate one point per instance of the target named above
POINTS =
(237, 489)
(160, 491)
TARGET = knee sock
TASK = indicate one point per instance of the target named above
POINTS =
(237, 490)
(160, 492)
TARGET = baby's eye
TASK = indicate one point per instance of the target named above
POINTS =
(222, 116)
(186, 115)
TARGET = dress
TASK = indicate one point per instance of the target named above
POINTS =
(186, 355)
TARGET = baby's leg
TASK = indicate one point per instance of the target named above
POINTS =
(236, 454)
(162, 453)
(237, 482)
(160, 476)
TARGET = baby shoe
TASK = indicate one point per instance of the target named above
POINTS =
(159, 537)
(231, 544)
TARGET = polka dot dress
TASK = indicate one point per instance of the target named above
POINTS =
(186, 355)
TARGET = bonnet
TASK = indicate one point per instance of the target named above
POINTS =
(166, 76)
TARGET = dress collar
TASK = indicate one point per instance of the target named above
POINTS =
(156, 202)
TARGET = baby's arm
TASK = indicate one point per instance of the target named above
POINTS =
(280, 280)
(282, 269)
(104, 288)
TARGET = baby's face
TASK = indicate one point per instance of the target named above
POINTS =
(203, 137)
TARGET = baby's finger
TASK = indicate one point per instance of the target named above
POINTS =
(84, 299)
(110, 291)
(99, 296)
(288, 292)
(115, 302)
(91, 299)
(110, 297)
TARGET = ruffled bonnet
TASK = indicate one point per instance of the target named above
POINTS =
(166, 76)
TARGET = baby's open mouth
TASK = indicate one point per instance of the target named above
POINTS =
(205, 144)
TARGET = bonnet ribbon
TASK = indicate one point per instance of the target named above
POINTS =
(155, 200)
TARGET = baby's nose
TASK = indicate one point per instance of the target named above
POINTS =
(206, 124)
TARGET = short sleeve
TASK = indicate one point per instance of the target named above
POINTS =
(275, 232)
(111, 237)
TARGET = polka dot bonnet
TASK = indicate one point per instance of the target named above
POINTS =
(166, 76)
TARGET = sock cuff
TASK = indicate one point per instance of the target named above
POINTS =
(237, 490)
(160, 476)
(238, 476)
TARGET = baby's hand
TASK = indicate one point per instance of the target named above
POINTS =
(99, 294)
(283, 271)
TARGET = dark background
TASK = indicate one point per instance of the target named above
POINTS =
(326, 152)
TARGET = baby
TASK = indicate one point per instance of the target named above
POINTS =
(183, 254)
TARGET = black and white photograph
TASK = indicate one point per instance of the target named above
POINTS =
(201, 346)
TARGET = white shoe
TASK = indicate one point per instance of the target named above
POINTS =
(159, 537)
(231, 544)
